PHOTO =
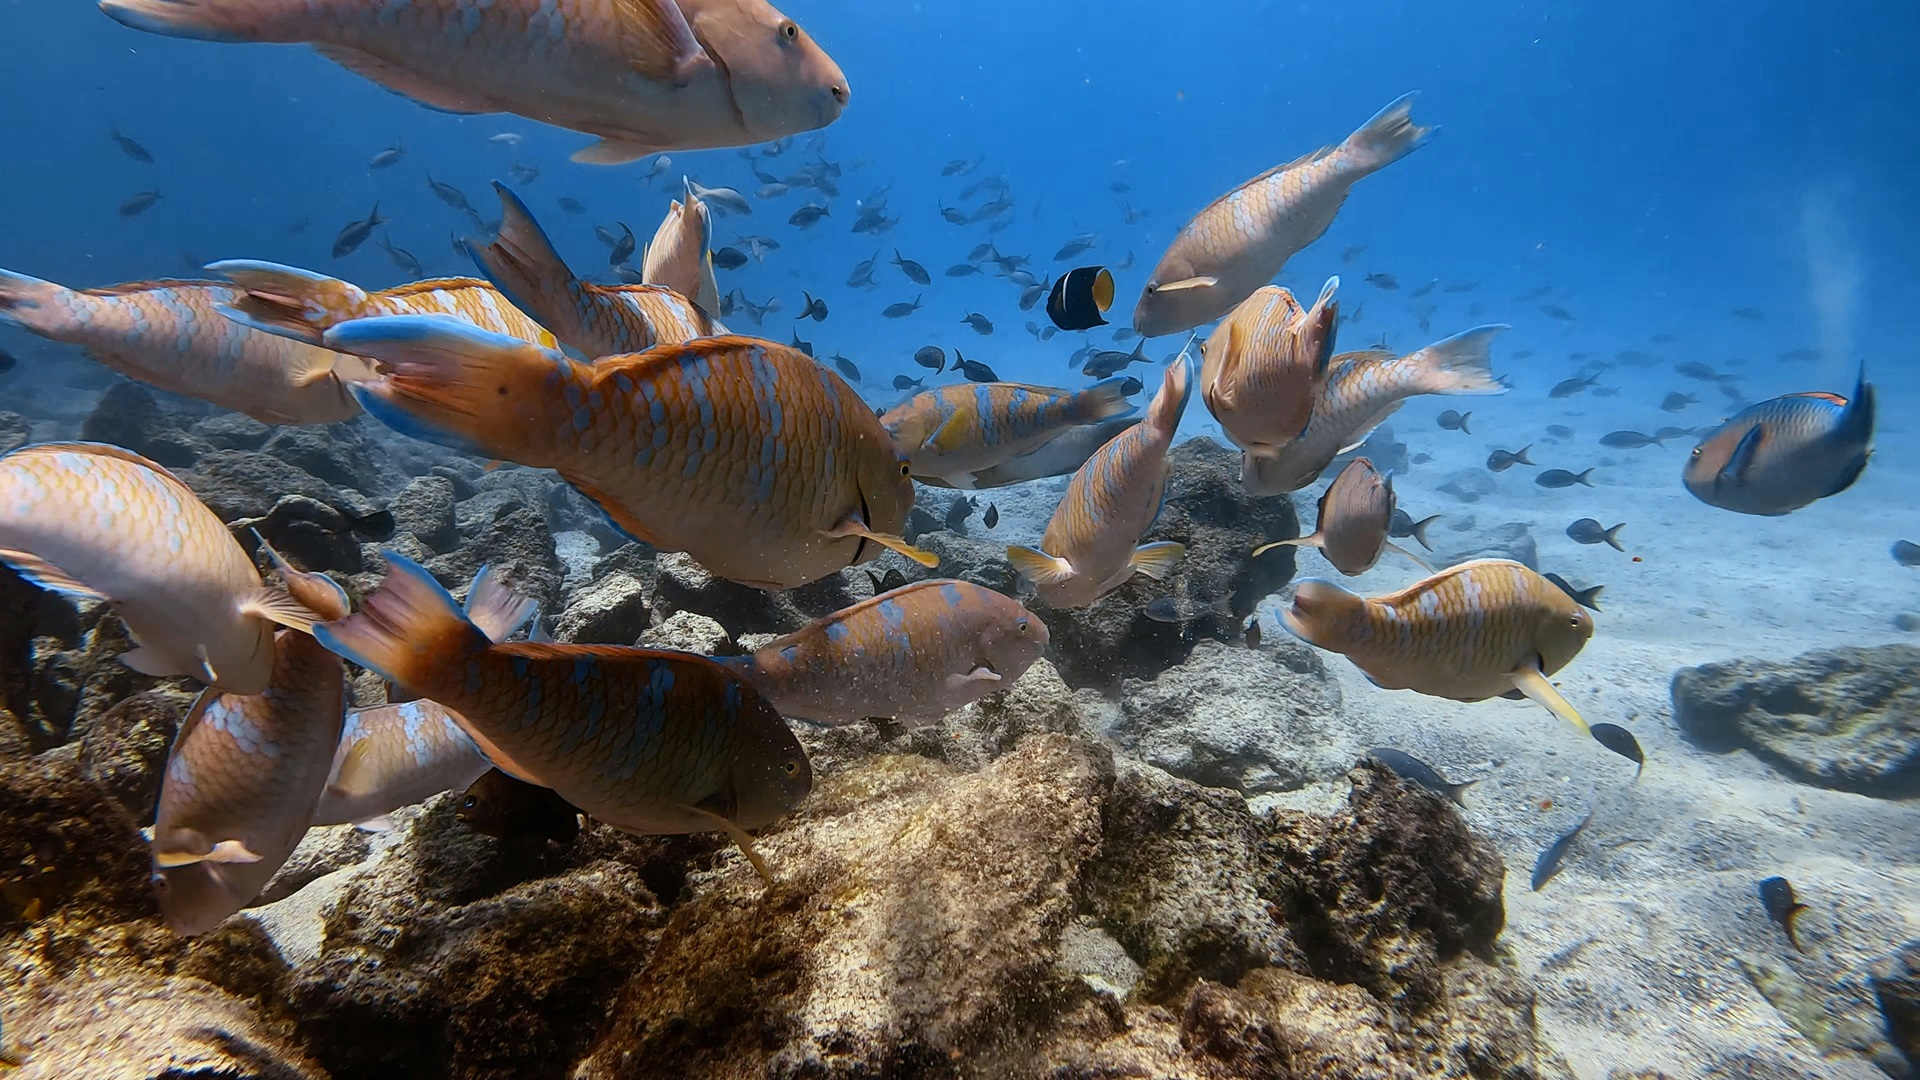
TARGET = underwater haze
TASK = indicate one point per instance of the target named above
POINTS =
(1505, 666)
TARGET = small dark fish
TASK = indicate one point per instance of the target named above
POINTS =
(1177, 609)
(1586, 598)
(143, 202)
(1424, 289)
(623, 247)
(1452, 420)
(808, 216)
(1080, 298)
(980, 323)
(887, 582)
(1560, 478)
(1119, 187)
(959, 167)
(1032, 295)
(523, 174)
(1401, 525)
(402, 258)
(901, 382)
(1905, 552)
(980, 251)
(847, 368)
(953, 216)
(992, 517)
(962, 270)
(449, 194)
(957, 515)
(1420, 458)
(1082, 243)
(571, 205)
(1621, 741)
(356, 233)
(1407, 767)
(1460, 287)
(1105, 362)
(1589, 531)
(1549, 862)
(130, 148)
(500, 806)
(1694, 369)
(298, 227)
(803, 346)
(1776, 895)
(729, 258)
(1502, 460)
(914, 271)
(1252, 633)
(974, 370)
(1751, 314)
(1569, 387)
(1560, 431)
(930, 357)
(1630, 440)
(1677, 401)
(901, 310)
(1671, 432)
(1383, 281)
(1533, 294)
(1555, 311)
(816, 308)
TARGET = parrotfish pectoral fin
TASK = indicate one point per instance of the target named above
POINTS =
(378, 824)
(659, 42)
(402, 81)
(1206, 282)
(611, 151)
(979, 674)
(226, 851)
(318, 594)
(48, 576)
(1298, 541)
(1038, 566)
(1735, 470)
(853, 527)
(1409, 556)
(148, 661)
(1157, 560)
(739, 837)
(279, 606)
(1528, 680)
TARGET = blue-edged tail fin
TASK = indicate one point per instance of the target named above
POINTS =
(409, 631)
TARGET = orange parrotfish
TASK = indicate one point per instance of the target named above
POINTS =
(1092, 544)
(1355, 515)
(1362, 389)
(245, 773)
(644, 75)
(953, 433)
(594, 320)
(170, 334)
(680, 255)
(1243, 238)
(763, 465)
(1779, 455)
(1487, 628)
(1262, 368)
(96, 522)
(301, 304)
(913, 654)
(646, 740)
(390, 756)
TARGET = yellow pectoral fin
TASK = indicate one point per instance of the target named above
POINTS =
(886, 540)
(279, 606)
(1528, 680)
(1415, 559)
(1298, 541)
(1157, 560)
(1038, 566)
(739, 836)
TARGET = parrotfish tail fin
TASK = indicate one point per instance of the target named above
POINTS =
(1529, 681)
(1409, 556)
(524, 265)
(450, 382)
(1323, 614)
(496, 609)
(318, 593)
(39, 307)
(1105, 400)
(1163, 415)
(1461, 364)
(1157, 560)
(200, 20)
(1856, 430)
(287, 301)
(1612, 536)
(1038, 566)
(1385, 139)
(1420, 530)
(408, 631)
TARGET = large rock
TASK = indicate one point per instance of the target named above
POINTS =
(1513, 540)
(1207, 510)
(1841, 718)
(611, 611)
(425, 508)
(1259, 720)
(238, 484)
(358, 455)
(516, 545)
(685, 585)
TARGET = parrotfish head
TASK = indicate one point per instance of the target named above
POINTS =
(781, 79)
(1010, 646)
(1187, 305)
(1324, 614)
(886, 491)
(771, 774)
(1563, 631)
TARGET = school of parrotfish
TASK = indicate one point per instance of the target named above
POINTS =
(760, 461)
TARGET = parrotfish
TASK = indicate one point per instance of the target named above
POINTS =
(914, 654)
(495, 804)
(1243, 238)
(96, 522)
(644, 75)
(1355, 514)
(1487, 628)
(245, 772)
(646, 740)
(680, 255)
(1092, 544)
(953, 432)
(596, 320)
(1263, 368)
(302, 305)
(1784, 453)
(763, 465)
(1061, 457)
(390, 756)
(1362, 389)
(170, 334)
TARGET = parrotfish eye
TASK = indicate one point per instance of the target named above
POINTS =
(1696, 452)
(1151, 287)
(1574, 622)
(1021, 627)
(469, 802)
(906, 468)
(791, 768)
(790, 30)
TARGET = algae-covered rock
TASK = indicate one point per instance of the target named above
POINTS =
(1842, 718)
(612, 610)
